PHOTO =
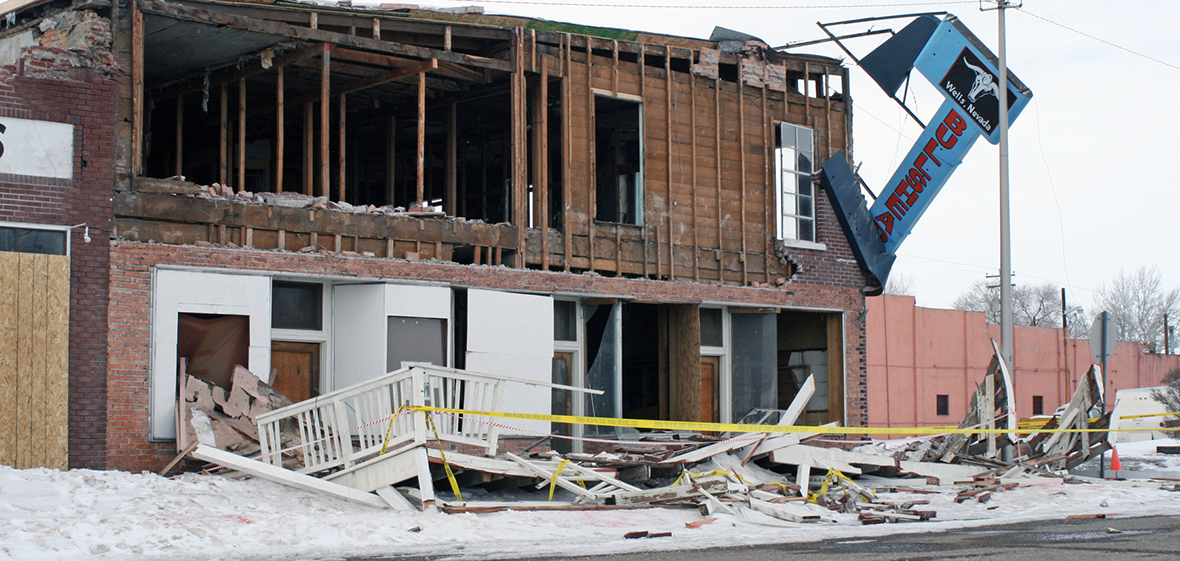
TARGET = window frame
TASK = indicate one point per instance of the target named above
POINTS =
(637, 205)
(64, 230)
(789, 214)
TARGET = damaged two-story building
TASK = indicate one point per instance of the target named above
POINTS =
(322, 193)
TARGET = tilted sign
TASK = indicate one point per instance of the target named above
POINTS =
(964, 70)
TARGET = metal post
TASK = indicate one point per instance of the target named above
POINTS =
(1105, 317)
(1005, 223)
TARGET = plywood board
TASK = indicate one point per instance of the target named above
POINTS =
(57, 362)
(9, 283)
(24, 366)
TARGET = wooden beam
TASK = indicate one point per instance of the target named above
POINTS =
(420, 69)
(176, 11)
(741, 103)
(696, 202)
(542, 173)
(325, 100)
(241, 135)
(421, 158)
(668, 124)
(308, 148)
(592, 212)
(519, 147)
(717, 161)
(255, 67)
(280, 132)
(767, 186)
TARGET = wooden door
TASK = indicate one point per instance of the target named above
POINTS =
(710, 404)
(295, 369)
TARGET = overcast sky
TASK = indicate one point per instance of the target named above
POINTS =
(1092, 187)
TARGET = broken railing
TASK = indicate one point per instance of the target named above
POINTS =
(349, 426)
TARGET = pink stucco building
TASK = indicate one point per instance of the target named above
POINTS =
(924, 363)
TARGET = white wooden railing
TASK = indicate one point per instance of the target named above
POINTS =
(349, 426)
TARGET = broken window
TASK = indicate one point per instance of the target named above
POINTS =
(755, 368)
(618, 153)
(943, 405)
(297, 305)
(602, 369)
(793, 157)
(32, 240)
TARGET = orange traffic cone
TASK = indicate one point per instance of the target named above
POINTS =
(1115, 465)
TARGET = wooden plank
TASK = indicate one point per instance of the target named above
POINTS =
(24, 371)
(592, 190)
(692, 111)
(241, 135)
(668, 185)
(567, 147)
(280, 132)
(57, 362)
(137, 127)
(179, 170)
(325, 97)
(285, 476)
(717, 162)
(451, 195)
(835, 344)
(340, 151)
(741, 106)
(9, 354)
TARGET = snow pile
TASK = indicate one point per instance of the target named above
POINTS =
(48, 514)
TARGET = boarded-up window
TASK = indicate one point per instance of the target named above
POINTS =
(34, 360)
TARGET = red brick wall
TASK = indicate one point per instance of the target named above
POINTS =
(86, 100)
(130, 314)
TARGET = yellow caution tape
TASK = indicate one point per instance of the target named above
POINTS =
(735, 427)
(710, 474)
(1148, 415)
(556, 474)
(447, 466)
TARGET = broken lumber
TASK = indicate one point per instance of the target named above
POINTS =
(285, 476)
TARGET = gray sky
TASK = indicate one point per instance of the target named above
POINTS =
(1091, 188)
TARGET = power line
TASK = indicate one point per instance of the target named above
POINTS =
(1099, 39)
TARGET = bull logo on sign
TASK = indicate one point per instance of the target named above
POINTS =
(984, 83)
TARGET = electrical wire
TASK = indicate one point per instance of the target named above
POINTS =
(1099, 39)
(1052, 189)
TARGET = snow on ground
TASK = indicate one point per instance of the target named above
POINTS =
(48, 514)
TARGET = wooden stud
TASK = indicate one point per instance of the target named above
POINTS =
(341, 148)
(452, 180)
(249, 237)
(614, 68)
(593, 179)
(741, 103)
(223, 173)
(388, 247)
(692, 111)
(282, 241)
(325, 117)
(377, 28)
(308, 148)
(806, 97)
(241, 135)
(767, 183)
(313, 20)
(420, 183)
(567, 146)
(447, 38)
(717, 160)
(827, 130)
(179, 135)
(518, 152)
(533, 50)
(280, 132)
(668, 201)
(646, 227)
(137, 63)
(542, 174)
(315, 242)
(339, 243)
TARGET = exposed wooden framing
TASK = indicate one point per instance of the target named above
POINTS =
(255, 68)
(420, 182)
(282, 240)
(377, 28)
(643, 95)
(280, 128)
(741, 103)
(325, 117)
(223, 159)
(668, 201)
(592, 212)
(692, 111)
(532, 50)
(452, 181)
(340, 151)
(241, 135)
(137, 132)
(313, 20)
(179, 135)
(567, 147)
(806, 98)
(447, 38)
(542, 174)
(308, 148)
(827, 123)
(257, 25)
(717, 161)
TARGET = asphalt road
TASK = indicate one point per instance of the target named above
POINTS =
(1121, 539)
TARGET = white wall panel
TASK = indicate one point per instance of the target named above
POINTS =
(358, 334)
(512, 335)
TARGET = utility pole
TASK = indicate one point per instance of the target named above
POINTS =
(1006, 346)
(1167, 336)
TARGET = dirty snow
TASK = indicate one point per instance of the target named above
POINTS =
(48, 514)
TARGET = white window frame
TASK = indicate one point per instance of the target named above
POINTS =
(66, 230)
(323, 336)
(577, 369)
(790, 212)
(724, 380)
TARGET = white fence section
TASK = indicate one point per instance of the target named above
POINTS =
(346, 427)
